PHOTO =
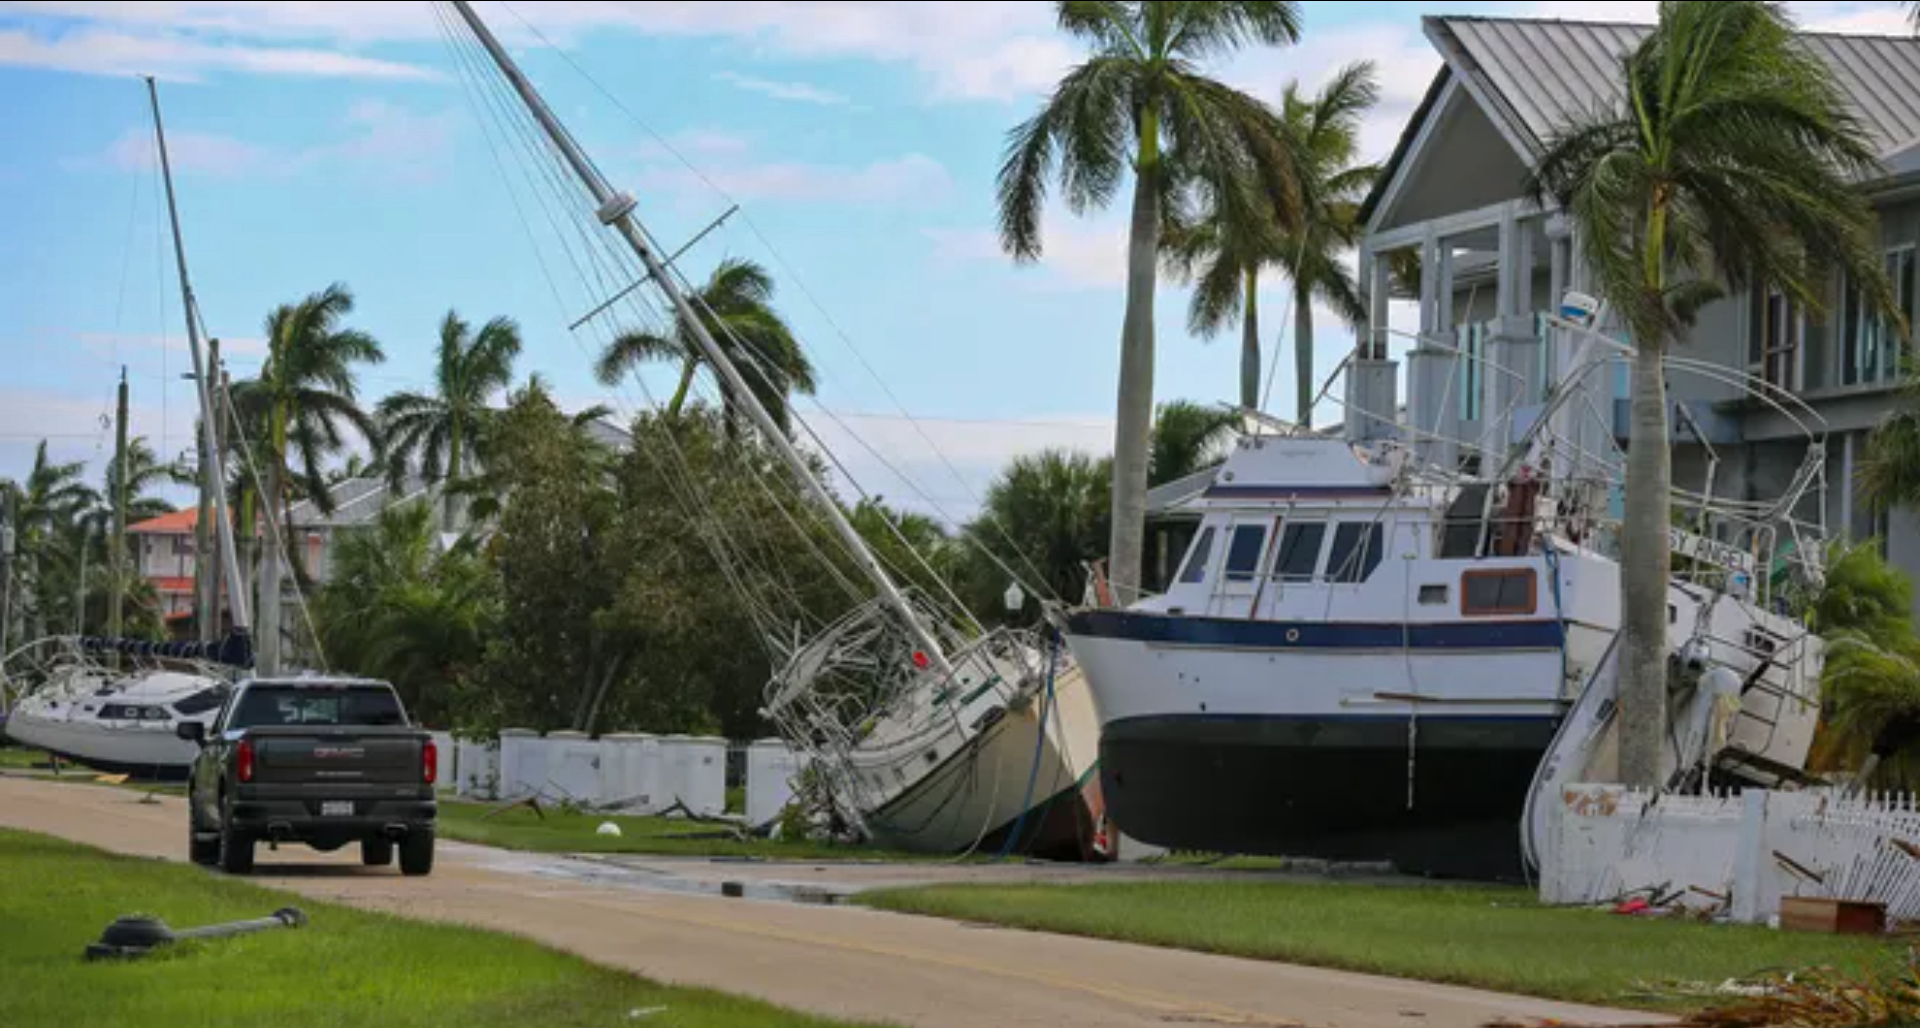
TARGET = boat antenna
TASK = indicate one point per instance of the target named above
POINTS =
(209, 425)
(616, 211)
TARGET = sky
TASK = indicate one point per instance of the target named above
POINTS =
(321, 142)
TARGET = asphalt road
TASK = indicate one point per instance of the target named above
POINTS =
(842, 962)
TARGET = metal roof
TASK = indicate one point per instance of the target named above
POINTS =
(1545, 75)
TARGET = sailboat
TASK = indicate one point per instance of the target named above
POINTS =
(116, 704)
(920, 729)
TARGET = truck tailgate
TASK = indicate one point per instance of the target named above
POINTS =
(345, 756)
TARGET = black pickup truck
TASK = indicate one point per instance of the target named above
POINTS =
(321, 762)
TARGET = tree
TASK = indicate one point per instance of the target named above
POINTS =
(399, 609)
(1141, 100)
(444, 431)
(1225, 258)
(1889, 475)
(737, 307)
(145, 473)
(1731, 162)
(304, 403)
(1189, 438)
(44, 508)
(1869, 684)
(1048, 512)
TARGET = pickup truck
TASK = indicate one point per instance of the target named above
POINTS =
(321, 762)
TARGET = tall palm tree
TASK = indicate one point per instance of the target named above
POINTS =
(144, 474)
(737, 306)
(1189, 438)
(1141, 101)
(445, 431)
(1732, 161)
(1048, 512)
(42, 507)
(1225, 259)
(304, 403)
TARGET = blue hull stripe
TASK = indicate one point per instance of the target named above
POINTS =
(1315, 635)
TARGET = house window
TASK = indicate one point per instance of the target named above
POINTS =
(1473, 369)
(1249, 543)
(1357, 552)
(1499, 593)
(1872, 353)
(1300, 549)
(1198, 559)
(184, 546)
(1779, 334)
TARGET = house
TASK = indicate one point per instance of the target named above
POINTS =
(167, 555)
(1491, 264)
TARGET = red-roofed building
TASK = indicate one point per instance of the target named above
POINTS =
(166, 551)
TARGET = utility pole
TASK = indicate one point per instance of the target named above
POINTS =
(117, 546)
(6, 569)
(206, 583)
(80, 590)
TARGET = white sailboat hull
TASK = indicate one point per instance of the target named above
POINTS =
(127, 726)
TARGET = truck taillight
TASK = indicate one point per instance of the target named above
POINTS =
(243, 760)
(430, 762)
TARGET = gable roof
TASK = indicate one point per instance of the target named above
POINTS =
(180, 522)
(1537, 76)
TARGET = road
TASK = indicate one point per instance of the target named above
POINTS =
(841, 962)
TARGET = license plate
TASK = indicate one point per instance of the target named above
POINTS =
(336, 809)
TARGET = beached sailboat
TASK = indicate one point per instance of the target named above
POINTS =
(115, 704)
(919, 727)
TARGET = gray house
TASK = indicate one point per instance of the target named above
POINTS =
(1491, 263)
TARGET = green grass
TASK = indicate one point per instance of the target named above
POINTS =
(1490, 938)
(347, 969)
(13, 758)
(520, 828)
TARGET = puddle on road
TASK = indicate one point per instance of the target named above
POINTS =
(590, 872)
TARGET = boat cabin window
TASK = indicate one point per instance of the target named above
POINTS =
(1435, 596)
(1357, 552)
(1499, 593)
(1248, 545)
(1197, 559)
(200, 703)
(1300, 547)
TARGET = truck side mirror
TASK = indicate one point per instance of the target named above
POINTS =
(191, 731)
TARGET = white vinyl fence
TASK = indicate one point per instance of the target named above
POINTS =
(1745, 852)
(633, 774)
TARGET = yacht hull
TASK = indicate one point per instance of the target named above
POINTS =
(1343, 742)
(139, 752)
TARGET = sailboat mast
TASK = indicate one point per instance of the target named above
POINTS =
(209, 429)
(616, 211)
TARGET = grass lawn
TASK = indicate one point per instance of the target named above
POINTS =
(1490, 938)
(345, 970)
(13, 758)
(521, 829)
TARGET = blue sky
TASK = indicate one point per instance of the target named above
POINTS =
(337, 142)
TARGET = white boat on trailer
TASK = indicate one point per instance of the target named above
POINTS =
(1363, 658)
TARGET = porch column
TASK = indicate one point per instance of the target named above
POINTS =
(1434, 366)
(1373, 383)
(1513, 351)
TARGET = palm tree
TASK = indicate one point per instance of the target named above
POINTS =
(145, 473)
(737, 306)
(1047, 512)
(1189, 438)
(43, 507)
(1225, 259)
(445, 430)
(1732, 161)
(304, 402)
(1142, 101)
(1869, 684)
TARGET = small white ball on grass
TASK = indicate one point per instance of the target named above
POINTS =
(610, 830)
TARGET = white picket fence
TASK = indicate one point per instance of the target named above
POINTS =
(630, 774)
(1744, 852)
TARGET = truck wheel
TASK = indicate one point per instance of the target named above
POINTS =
(416, 854)
(236, 849)
(377, 852)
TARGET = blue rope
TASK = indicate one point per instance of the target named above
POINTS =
(1039, 750)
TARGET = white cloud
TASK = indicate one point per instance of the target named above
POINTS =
(706, 143)
(911, 178)
(381, 137)
(1076, 254)
(799, 92)
(109, 52)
